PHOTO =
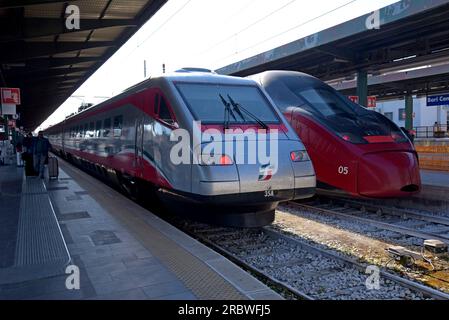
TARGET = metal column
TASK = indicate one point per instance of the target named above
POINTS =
(362, 87)
(409, 112)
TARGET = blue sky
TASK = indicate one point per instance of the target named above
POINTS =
(210, 34)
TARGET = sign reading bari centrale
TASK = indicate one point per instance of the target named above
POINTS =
(438, 100)
(10, 96)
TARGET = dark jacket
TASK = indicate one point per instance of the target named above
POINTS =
(28, 144)
(41, 146)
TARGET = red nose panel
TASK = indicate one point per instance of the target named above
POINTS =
(388, 174)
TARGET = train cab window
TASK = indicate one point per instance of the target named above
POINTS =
(326, 102)
(283, 97)
(205, 103)
(118, 125)
(389, 115)
(80, 131)
(98, 129)
(107, 127)
(164, 112)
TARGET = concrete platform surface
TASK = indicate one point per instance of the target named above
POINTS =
(435, 178)
(123, 251)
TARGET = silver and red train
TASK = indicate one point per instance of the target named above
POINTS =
(355, 151)
(129, 140)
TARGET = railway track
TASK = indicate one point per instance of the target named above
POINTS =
(418, 225)
(304, 271)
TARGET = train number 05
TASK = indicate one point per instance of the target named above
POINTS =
(343, 170)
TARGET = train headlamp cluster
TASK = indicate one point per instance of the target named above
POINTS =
(215, 160)
(299, 156)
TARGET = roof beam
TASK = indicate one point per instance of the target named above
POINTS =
(31, 50)
(25, 3)
(46, 72)
(343, 54)
(45, 63)
(26, 28)
(54, 78)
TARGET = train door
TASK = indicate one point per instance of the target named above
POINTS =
(139, 147)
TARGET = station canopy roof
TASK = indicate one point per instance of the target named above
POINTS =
(47, 61)
(412, 33)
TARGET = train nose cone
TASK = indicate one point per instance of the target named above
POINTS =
(388, 174)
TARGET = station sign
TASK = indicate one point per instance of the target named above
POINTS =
(10, 96)
(438, 100)
(2, 128)
(372, 101)
(8, 109)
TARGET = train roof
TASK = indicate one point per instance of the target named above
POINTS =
(182, 75)
(205, 77)
(274, 75)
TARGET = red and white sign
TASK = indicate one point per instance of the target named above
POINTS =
(10, 96)
(372, 100)
(354, 99)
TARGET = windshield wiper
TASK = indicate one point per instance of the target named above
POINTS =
(239, 108)
(228, 112)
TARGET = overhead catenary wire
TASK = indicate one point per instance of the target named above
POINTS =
(248, 27)
(159, 28)
(290, 29)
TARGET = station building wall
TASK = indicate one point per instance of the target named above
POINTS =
(424, 115)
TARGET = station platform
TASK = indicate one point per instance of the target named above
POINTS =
(122, 251)
(435, 178)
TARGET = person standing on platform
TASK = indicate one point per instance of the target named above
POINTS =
(28, 154)
(19, 149)
(41, 146)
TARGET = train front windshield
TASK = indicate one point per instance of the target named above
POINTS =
(348, 120)
(207, 102)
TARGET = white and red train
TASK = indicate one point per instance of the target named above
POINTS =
(128, 139)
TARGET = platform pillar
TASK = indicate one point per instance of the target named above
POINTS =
(362, 87)
(409, 112)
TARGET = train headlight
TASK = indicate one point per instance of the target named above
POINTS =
(216, 160)
(349, 137)
(299, 156)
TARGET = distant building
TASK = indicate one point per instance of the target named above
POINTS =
(424, 115)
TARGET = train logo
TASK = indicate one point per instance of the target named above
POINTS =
(266, 172)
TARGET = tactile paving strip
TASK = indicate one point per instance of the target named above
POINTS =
(33, 186)
(200, 279)
(39, 239)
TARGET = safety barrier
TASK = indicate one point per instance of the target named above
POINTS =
(435, 131)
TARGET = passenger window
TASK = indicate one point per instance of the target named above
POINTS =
(107, 127)
(86, 128)
(98, 129)
(118, 124)
(91, 129)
